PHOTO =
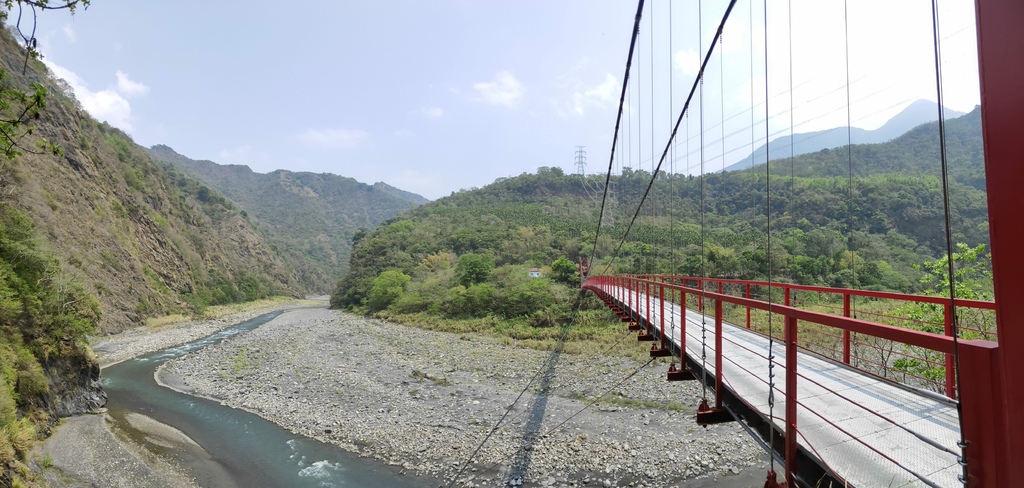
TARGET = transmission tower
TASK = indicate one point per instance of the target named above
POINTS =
(581, 161)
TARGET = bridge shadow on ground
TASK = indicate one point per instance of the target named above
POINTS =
(531, 431)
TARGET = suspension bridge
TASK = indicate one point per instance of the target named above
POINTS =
(841, 395)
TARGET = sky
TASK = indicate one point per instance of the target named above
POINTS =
(437, 96)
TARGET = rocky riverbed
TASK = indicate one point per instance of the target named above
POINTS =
(426, 400)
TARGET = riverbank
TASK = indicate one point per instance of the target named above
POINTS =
(98, 450)
(425, 400)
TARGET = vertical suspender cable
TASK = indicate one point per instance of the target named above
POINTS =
(962, 444)
(849, 161)
(618, 120)
(703, 249)
(654, 204)
(768, 194)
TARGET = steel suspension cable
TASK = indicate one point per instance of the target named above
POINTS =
(849, 159)
(962, 444)
(703, 245)
(675, 129)
(768, 253)
(618, 121)
(654, 206)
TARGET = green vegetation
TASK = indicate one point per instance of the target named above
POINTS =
(973, 278)
(310, 220)
(463, 260)
(43, 316)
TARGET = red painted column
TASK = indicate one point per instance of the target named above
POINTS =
(1000, 44)
(846, 332)
(791, 346)
(748, 306)
(647, 303)
(718, 353)
(682, 326)
(661, 293)
(983, 424)
(947, 324)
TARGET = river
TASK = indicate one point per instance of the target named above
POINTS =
(241, 449)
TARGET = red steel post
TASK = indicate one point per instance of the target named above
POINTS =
(700, 299)
(748, 306)
(661, 316)
(791, 346)
(682, 326)
(718, 353)
(846, 332)
(983, 427)
(947, 325)
(647, 303)
(1000, 42)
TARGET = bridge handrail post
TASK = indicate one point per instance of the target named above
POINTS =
(790, 334)
(982, 401)
(748, 306)
(661, 293)
(718, 352)
(682, 326)
(647, 301)
(947, 325)
(846, 332)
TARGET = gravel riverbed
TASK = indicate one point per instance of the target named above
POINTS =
(425, 400)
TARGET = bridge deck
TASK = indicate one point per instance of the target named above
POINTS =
(869, 431)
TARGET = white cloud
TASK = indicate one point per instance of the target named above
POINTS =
(110, 104)
(505, 90)
(333, 138)
(69, 33)
(687, 61)
(433, 112)
(598, 96)
(128, 87)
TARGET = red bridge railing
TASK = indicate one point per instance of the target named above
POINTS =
(978, 387)
(913, 366)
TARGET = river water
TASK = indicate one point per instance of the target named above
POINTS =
(242, 449)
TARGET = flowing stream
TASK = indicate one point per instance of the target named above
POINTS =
(241, 449)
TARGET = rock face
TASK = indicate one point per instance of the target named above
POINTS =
(74, 386)
(141, 237)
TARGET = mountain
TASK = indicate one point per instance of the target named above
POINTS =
(914, 115)
(308, 218)
(95, 238)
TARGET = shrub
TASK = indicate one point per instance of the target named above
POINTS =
(387, 287)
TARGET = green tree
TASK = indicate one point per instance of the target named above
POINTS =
(474, 268)
(18, 106)
(387, 287)
(564, 271)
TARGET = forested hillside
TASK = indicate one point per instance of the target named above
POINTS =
(865, 231)
(95, 237)
(308, 218)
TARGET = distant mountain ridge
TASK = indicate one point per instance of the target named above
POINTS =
(309, 218)
(917, 113)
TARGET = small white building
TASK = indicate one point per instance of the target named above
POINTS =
(534, 272)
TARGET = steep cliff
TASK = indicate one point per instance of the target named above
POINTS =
(93, 240)
(142, 238)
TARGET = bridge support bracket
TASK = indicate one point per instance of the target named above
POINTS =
(635, 327)
(644, 337)
(706, 415)
(679, 374)
(773, 481)
(657, 352)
